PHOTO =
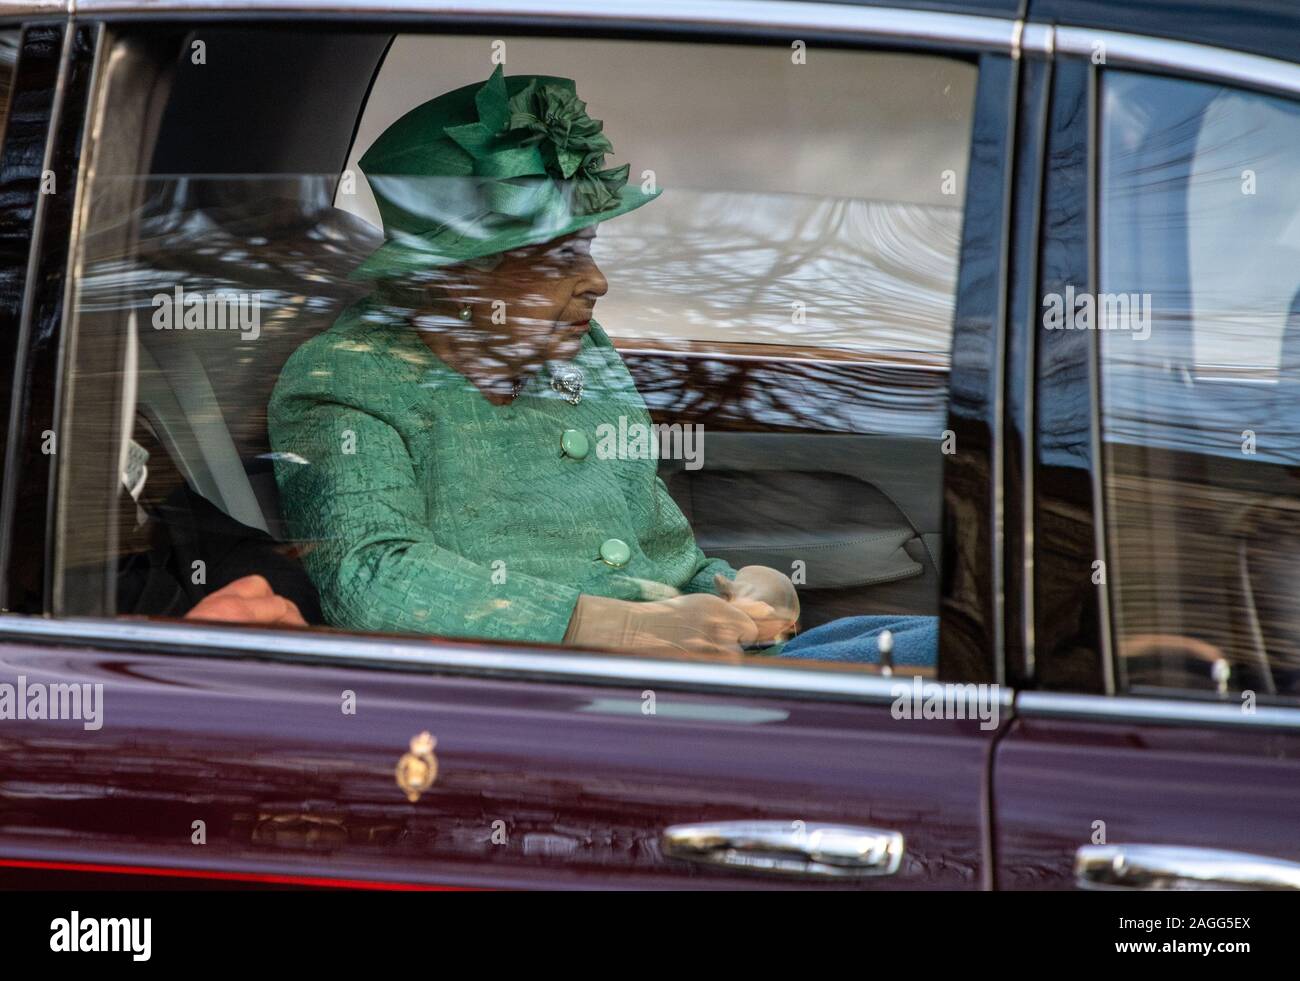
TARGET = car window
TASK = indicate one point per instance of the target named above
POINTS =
(1200, 352)
(629, 345)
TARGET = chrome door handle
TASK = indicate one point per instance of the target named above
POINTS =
(787, 848)
(1174, 867)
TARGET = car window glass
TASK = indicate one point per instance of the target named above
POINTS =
(428, 358)
(1200, 212)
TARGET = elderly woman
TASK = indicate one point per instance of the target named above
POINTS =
(436, 447)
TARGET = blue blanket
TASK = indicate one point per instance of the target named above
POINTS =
(857, 640)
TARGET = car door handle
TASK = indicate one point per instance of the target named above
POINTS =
(788, 848)
(1157, 867)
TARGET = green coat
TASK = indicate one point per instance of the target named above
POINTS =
(424, 508)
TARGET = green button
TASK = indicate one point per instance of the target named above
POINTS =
(573, 442)
(615, 552)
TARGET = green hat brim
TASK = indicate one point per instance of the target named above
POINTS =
(410, 254)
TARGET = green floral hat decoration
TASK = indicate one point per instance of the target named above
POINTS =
(488, 168)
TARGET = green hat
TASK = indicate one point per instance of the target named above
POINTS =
(488, 168)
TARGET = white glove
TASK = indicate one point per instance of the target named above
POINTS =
(697, 625)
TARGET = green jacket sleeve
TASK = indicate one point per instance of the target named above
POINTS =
(349, 491)
(702, 581)
(705, 568)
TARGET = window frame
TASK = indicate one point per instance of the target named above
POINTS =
(54, 119)
(991, 41)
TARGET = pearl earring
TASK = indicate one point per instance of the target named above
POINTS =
(466, 313)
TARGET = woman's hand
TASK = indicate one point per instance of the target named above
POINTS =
(693, 625)
(248, 600)
(766, 596)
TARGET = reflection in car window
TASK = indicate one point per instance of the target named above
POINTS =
(9, 43)
(633, 346)
(1200, 229)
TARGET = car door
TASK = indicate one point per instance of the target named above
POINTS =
(183, 750)
(1155, 744)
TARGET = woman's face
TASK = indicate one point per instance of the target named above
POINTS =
(537, 304)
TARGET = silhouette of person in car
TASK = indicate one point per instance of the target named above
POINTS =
(187, 558)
